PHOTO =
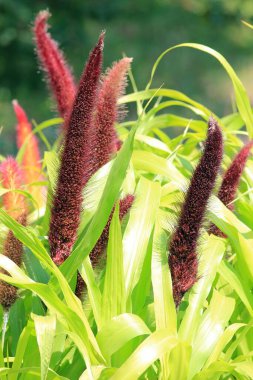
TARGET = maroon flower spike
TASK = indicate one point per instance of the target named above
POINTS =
(65, 215)
(106, 143)
(13, 249)
(95, 255)
(183, 259)
(231, 181)
(107, 113)
(52, 61)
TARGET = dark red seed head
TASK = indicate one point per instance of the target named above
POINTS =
(78, 145)
(53, 63)
(230, 182)
(107, 113)
(13, 249)
(183, 260)
(8, 294)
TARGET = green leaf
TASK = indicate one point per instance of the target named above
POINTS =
(232, 277)
(33, 371)
(21, 349)
(95, 298)
(245, 368)
(240, 236)
(45, 328)
(214, 371)
(74, 320)
(179, 361)
(151, 163)
(242, 99)
(211, 254)
(225, 338)
(161, 92)
(155, 346)
(119, 331)
(114, 294)
(165, 310)
(139, 227)
(210, 329)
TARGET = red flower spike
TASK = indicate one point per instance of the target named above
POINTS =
(107, 112)
(31, 157)
(183, 259)
(14, 203)
(231, 181)
(65, 215)
(124, 207)
(12, 178)
(52, 61)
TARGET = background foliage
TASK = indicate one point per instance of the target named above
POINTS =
(141, 29)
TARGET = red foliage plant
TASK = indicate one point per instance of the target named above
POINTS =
(183, 259)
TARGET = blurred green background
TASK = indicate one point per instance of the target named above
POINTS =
(141, 29)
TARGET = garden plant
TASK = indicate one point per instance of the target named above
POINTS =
(126, 253)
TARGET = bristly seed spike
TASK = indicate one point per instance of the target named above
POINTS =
(78, 145)
(107, 113)
(230, 182)
(58, 73)
(183, 259)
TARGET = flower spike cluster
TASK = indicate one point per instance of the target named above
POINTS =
(31, 156)
(14, 203)
(106, 144)
(65, 214)
(52, 61)
(90, 140)
(183, 260)
(231, 181)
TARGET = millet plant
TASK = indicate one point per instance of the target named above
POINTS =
(126, 253)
